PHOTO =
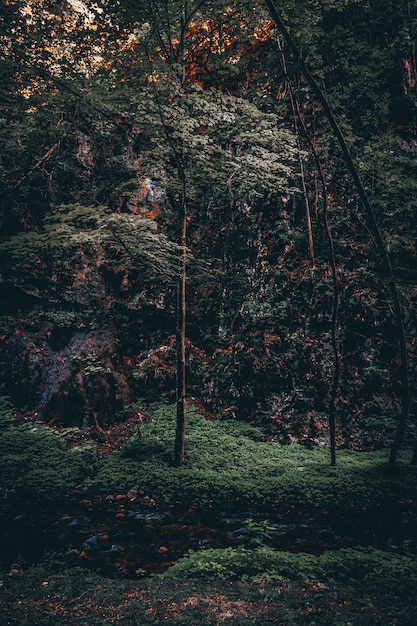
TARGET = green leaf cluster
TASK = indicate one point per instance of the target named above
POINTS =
(224, 144)
(347, 564)
(79, 239)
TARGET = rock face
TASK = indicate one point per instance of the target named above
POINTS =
(66, 376)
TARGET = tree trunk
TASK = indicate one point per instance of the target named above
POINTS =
(336, 363)
(335, 308)
(181, 336)
(182, 282)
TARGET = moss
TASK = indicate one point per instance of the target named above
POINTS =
(35, 462)
(227, 461)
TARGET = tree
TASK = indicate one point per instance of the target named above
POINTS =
(371, 222)
(201, 129)
(204, 144)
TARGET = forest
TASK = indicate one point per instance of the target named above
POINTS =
(208, 312)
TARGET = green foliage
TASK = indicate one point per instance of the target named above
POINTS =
(347, 564)
(387, 423)
(227, 460)
(135, 237)
(35, 462)
(226, 143)
(92, 364)
(220, 142)
(56, 562)
(84, 240)
(65, 319)
(254, 534)
(388, 164)
(6, 414)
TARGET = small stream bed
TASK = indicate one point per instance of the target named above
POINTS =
(119, 537)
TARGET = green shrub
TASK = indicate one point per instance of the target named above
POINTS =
(346, 564)
(34, 460)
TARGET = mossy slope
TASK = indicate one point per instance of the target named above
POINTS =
(230, 461)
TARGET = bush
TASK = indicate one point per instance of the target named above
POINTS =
(347, 564)
(34, 461)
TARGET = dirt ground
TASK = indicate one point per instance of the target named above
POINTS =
(77, 600)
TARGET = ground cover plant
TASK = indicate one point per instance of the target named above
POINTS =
(347, 564)
(229, 460)
(226, 461)
(36, 461)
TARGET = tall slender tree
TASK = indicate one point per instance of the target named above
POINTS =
(372, 224)
(194, 125)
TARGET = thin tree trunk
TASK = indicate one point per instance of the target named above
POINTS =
(308, 214)
(335, 306)
(373, 227)
(181, 337)
(336, 359)
(300, 160)
(182, 299)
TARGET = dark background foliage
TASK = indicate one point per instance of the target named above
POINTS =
(90, 111)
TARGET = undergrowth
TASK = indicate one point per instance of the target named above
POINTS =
(226, 461)
(344, 565)
(34, 461)
(230, 461)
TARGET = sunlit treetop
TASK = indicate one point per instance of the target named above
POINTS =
(75, 39)
(56, 38)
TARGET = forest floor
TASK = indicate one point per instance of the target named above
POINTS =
(77, 600)
(249, 470)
